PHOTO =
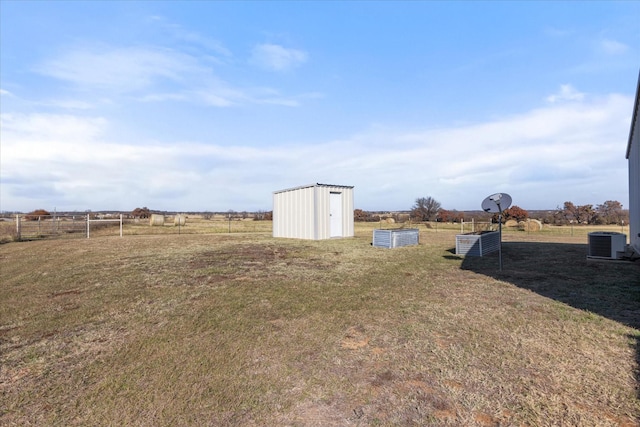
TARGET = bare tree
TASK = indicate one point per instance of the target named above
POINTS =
(570, 213)
(425, 208)
(610, 212)
(141, 212)
(514, 212)
(586, 214)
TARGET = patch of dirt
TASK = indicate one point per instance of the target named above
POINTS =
(383, 378)
(250, 254)
(355, 338)
(484, 419)
(254, 261)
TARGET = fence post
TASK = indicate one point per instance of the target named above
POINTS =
(87, 226)
(18, 228)
(120, 225)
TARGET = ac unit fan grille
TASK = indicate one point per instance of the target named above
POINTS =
(600, 246)
(606, 244)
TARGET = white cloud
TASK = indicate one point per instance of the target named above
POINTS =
(277, 58)
(27, 133)
(160, 97)
(178, 32)
(4, 92)
(541, 157)
(150, 74)
(612, 47)
(67, 104)
(566, 93)
(120, 68)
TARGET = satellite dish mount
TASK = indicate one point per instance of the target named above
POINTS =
(496, 203)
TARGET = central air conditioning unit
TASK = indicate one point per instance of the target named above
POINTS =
(606, 245)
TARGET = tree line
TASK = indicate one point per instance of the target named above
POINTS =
(609, 212)
(429, 209)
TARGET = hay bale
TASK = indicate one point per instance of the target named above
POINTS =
(537, 225)
(179, 220)
(530, 225)
(156, 219)
(390, 221)
(403, 217)
(512, 223)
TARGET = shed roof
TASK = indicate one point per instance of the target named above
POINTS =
(633, 117)
(312, 185)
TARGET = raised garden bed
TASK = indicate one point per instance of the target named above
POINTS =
(478, 243)
(396, 237)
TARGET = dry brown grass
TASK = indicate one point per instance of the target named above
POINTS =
(244, 329)
(7, 232)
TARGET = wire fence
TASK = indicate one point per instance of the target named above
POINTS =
(44, 226)
(37, 227)
(34, 227)
(29, 227)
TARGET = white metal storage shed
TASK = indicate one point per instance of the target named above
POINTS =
(313, 212)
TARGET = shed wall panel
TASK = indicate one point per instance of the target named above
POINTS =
(323, 208)
(347, 210)
(294, 214)
(323, 220)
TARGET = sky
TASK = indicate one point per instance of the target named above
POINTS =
(213, 106)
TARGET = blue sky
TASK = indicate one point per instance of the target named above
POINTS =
(194, 106)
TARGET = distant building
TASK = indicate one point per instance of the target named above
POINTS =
(633, 155)
(313, 212)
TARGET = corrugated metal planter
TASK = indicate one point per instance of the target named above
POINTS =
(477, 244)
(395, 238)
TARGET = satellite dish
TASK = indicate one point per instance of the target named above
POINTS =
(496, 203)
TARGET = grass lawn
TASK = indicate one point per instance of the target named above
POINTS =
(242, 329)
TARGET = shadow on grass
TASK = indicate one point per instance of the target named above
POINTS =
(561, 271)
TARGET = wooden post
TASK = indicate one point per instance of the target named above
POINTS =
(18, 228)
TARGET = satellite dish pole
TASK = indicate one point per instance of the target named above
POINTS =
(496, 203)
(497, 199)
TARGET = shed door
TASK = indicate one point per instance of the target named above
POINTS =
(335, 213)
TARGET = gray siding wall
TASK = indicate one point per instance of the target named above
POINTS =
(634, 185)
